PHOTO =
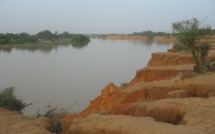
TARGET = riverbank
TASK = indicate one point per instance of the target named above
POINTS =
(155, 98)
(145, 38)
(162, 39)
(43, 45)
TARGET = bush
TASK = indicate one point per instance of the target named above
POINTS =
(79, 38)
(124, 84)
(56, 122)
(9, 101)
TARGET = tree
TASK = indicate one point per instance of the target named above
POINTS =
(79, 40)
(193, 39)
(46, 34)
(10, 101)
(65, 35)
(23, 38)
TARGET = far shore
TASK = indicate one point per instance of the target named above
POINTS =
(156, 38)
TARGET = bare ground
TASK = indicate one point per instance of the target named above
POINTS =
(13, 123)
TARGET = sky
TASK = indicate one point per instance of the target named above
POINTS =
(101, 16)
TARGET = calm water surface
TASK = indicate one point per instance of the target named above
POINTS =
(61, 75)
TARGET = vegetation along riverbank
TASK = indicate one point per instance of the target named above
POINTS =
(42, 38)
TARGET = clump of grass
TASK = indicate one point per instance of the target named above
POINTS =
(29, 117)
(124, 84)
(9, 101)
(189, 74)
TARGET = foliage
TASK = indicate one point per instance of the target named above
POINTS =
(10, 38)
(124, 84)
(65, 35)
(79, 40)
(46, 35)
(193, 39)
(42, 37)
(150, 34)
(9, 101)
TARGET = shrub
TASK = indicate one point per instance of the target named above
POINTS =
(124, 84)
(56, 121)
(193, 38)
(79, 40)
(9, 101)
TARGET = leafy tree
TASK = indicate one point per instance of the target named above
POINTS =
(65, 35)
(46, 34)
(23, 38)
(2, 39)
(78, 38)
(193, 38)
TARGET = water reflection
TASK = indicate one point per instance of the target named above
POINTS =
(79, 45)
(39, 47)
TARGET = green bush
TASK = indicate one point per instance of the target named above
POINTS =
(9, 101)
(124, 84)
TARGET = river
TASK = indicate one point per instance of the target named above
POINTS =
(64, 74)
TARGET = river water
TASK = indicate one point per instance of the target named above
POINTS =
(64, 74)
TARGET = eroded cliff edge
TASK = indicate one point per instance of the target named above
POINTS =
(155, 92)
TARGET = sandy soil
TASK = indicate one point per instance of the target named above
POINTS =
(13, 123)
(198, 118)
(121, 124)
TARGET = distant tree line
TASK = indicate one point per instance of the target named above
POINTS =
(150, 34)
(46, 35)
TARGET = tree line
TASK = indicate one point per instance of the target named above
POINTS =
(150, 34)
(46, 35)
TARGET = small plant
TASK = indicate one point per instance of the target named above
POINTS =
(9, 101)
(124, 84)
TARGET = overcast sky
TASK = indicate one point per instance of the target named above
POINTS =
(100, 16)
